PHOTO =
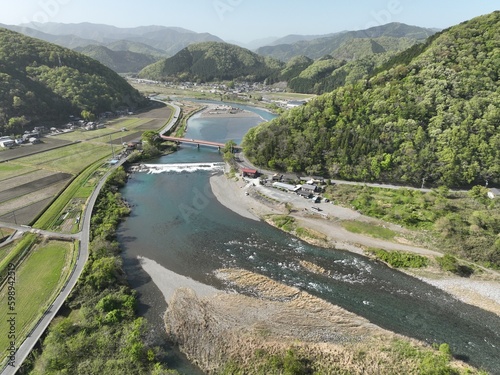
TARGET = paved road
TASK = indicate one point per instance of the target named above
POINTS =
(173, 119)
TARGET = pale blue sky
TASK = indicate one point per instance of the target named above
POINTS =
(246, 20)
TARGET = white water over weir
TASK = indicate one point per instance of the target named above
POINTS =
(181, 167)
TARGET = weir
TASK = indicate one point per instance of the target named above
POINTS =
(180, 167)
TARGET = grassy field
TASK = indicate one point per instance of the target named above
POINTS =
(50, 217)
(9, 170)
(37, 282)
(13, 252)
(368, 229)
(111, 128)
(72, 159)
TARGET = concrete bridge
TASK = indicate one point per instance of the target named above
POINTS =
(197, 142)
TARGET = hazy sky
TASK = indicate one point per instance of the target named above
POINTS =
(246, 20)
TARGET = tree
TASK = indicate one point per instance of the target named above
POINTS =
(87, 115)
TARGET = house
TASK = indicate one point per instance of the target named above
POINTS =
(308, 188)
(247, 172)
(493, 193)
(282, 186)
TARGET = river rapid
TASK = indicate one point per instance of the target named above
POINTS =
(177, 222)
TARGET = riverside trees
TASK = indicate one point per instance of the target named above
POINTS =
(432, 115)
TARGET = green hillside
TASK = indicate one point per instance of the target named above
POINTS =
(432, 114)
(120, 61)
(214, 61)
(137, 47)
(320, 47)
(329, 73)
(41, 83)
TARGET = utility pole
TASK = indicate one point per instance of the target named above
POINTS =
(112, 149)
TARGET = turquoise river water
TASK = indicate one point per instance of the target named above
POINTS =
(178, 223)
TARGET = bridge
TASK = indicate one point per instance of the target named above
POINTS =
(197, 142)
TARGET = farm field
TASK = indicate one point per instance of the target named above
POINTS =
(37, 281)
(40, 172)
(112, 127)
(48, 143)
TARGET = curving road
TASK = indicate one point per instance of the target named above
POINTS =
(83, 255)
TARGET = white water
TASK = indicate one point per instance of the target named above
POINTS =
(182, 167)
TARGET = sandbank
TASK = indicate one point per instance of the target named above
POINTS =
(168, 281)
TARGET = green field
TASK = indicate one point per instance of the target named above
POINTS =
(9, 170)
(79, 187)
(369, 229)
(71, 159)
(111, 128)
(37, 282)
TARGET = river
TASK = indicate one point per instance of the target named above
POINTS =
(178, 223)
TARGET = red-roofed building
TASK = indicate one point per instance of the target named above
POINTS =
(247, 172)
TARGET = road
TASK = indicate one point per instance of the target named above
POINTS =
(173, 119)
(84, 238)
(83, 255)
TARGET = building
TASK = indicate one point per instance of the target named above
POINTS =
(247, 172)
(493, 193)
(281, 185)
(308, 188)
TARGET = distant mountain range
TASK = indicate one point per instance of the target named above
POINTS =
(317, 47)
(152, 41)
(129, 50)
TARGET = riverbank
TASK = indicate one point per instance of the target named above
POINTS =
(248, 200)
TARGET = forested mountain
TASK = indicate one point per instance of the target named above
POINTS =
(41, 83)
(214, 61)
(294, 38)
(121, 61)
(170, 40)
(68, 41)
(320, 47)
(355, 59)
(431, 114)
(137, 47)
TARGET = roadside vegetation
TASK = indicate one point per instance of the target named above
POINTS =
(100, 332)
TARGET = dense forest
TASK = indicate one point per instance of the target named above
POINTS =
(214, 61)
(430, 115)
(41, 83)
(354, 60)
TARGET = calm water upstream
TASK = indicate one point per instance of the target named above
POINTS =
(179, 224)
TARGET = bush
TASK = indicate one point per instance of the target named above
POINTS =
(398, 259)
(450, 263)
